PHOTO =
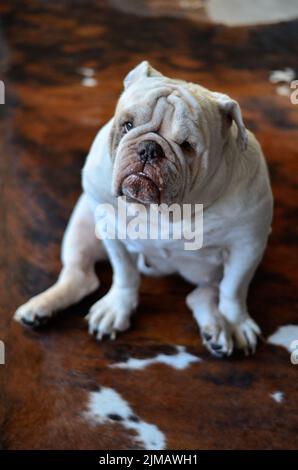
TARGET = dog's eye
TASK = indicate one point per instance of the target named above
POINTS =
(186, 146)
(128, 126)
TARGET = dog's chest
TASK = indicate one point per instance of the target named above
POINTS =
(162, 257)
(163, 248)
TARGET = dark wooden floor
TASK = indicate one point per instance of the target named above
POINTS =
(47, 126)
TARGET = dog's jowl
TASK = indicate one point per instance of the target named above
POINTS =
(170, 144)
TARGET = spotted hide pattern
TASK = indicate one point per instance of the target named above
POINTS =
(154, 386)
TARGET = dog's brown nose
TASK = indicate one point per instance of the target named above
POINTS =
(149, 150)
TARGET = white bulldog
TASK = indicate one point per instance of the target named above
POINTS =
(169, 142)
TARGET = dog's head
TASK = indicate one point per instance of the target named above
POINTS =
(168, 136)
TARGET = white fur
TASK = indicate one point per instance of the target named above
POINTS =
(277, 396)
(284, 336)
(278, 76)
(108, 402)
(179, 361)
(230, 181)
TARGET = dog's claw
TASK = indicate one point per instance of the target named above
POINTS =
(217, 338)
(206, 336)
(246, 334)
(36, 322)
(99, 335)
(27, 322)
(113, 335)
(112, 312)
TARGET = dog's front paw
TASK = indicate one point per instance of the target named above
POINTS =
(217, 337)
(112, 312)
(33, 313)
(246, 334)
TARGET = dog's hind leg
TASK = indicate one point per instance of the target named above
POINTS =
(80, 250)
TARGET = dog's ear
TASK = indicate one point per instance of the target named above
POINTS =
(232, 112)
(144, 69)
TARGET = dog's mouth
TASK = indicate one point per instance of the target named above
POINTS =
(138, 187)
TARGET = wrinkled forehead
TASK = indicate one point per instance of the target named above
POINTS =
(153, 99)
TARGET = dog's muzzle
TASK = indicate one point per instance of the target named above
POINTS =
(149, 151)
(140, 186)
